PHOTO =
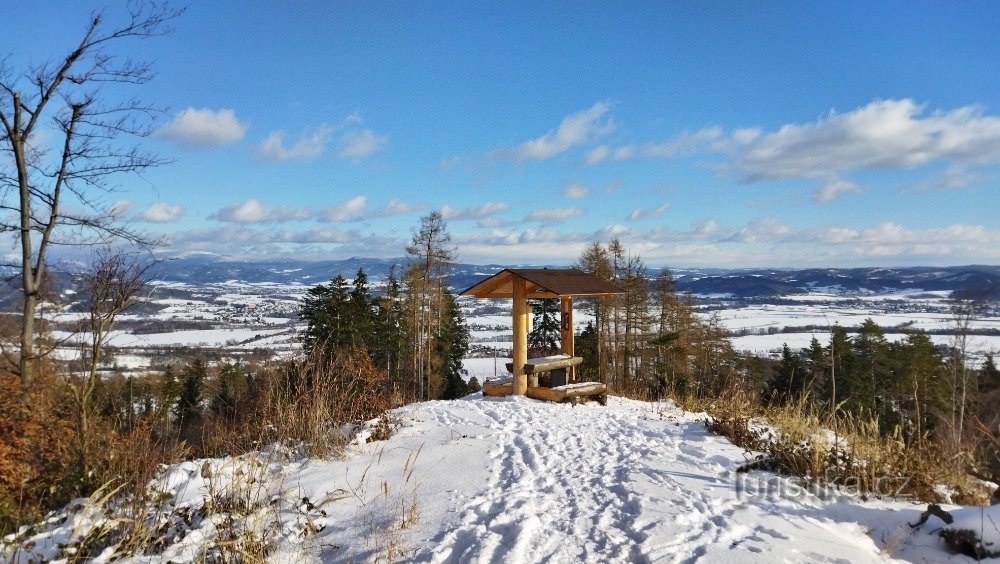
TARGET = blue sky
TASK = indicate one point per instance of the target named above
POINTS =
(727, 134)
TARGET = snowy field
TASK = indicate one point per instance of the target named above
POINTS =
(516, 480)
(235, 318)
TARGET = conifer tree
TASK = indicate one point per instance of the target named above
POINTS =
(188, 408)
(545, 331)
(788, 381)
(451, 347)
(867, 376)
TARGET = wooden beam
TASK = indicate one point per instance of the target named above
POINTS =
(566, 344)
(520, 353)
(488, 286)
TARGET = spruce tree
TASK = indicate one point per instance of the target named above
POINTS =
(545, 332)
(788, 381)
(188, 408)
(452, 345)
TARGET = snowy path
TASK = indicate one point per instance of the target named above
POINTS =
(630, 483)
(514, 480)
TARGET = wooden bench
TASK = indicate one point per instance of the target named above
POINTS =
(547, 363)
(571, 393)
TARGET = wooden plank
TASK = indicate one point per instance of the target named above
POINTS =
(487, 286)
(520, 352)
(491, 389)
(536, 365)
(591, 390)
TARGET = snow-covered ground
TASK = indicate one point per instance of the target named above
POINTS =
(517, 480)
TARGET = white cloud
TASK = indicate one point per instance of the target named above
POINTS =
(883, 134)
(203, 127)
(576, 191)
(255, 211)
(762, 230)
(574, 130)
(705, 228)
(162, 212)
(953, 177)
(120, 208)
(346, 210)
(646, 213)
(356, 145)
(555, 214)
(688, 143)
(605, 153)
(835, 189)
(398, 207)
(475, 212)
(307, 148)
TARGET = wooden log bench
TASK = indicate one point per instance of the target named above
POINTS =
(547, 363)
(564, 393)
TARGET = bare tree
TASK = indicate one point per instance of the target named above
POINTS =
(964, 314)
(113, 285)
(432, 255)
(43, 189)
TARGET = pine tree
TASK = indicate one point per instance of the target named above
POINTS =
(868, 377)
(225, 401)
(325, 308)
(387, 341)
(545, 331)
(922, 388)
(788, 381)
(361, 314)
(170, 388)
(452, 346)
(188, 408)
(586, 344)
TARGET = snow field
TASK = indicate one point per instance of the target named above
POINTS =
(517, 480)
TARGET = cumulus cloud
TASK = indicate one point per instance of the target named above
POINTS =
(307, 148)
(480, 212)
(555, 214)
(574, 130)
(162, 212)
(346, 210)
(240, 240)
(646, 213)
(357, 145)
(883, 134)
(835, 189)
(576, 191)
(203, 127)
(705, 228)
(256, 211)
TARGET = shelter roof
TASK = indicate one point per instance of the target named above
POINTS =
(543, 283)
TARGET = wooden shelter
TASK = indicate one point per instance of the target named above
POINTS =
(520, 284)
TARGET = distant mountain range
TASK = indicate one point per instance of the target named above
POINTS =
(974, 282)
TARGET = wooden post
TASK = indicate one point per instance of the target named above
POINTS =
(520, 353)
(566, 333)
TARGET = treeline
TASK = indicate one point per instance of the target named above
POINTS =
(71, 430)
(412, 331)
(648, 343)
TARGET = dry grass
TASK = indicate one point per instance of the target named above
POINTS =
(853, 453)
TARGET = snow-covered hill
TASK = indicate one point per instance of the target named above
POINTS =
(516, 480)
